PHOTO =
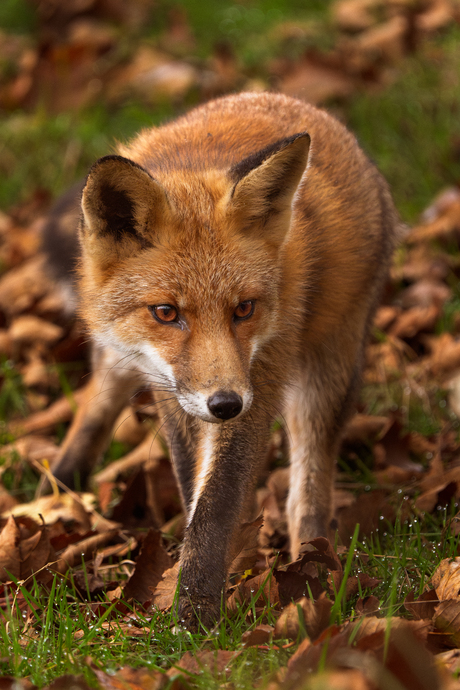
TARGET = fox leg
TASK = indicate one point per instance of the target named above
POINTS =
(225, 469)
(317, 408)
(113, 381)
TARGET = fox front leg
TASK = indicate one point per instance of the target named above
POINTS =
(225, 471)
(113, 381)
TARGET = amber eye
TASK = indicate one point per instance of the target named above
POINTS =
(244, 310)
(164, 313)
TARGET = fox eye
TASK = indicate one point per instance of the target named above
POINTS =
(244, 310)
(164, 313)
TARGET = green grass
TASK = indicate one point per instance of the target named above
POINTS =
(17, 16)
(412, 127)
(63, 629)
(38, 150)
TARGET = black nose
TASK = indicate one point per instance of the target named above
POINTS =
(225, 405)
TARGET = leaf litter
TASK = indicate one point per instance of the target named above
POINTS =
(130, 545)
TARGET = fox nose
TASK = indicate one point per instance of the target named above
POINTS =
(225, 405)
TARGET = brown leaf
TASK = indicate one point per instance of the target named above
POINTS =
(354, 15)
(447, 620)
(192, 664)
(246, 590)
(21, 287)
(314, 615)
(424, 607)
(365, 428)
(30, 330)
(245, 548)
(319, 550)
(165, 591)
(131, 679)
(314, 82)
(9, 551)
(446, 579)
(83, 549)
(445, 355)
(366, 511)
(369, 606)
(440, 228)
(36, 552)
(151, 564)
(416, 320)
(262, 634)
(65, 507)
(385, 316)
(294, 585)
(450, 660)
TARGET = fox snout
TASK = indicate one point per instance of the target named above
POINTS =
(225, 404)
(216, 407)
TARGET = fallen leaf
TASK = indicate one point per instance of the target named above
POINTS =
(308, 615)
(446, 579)
(131, 679)
(424, 607)
(246, 546)
(192, 664)
(151, 564)
(165, 591)
(261, 634)
(264, 584)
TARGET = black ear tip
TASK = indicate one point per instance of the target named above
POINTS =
(241, 169)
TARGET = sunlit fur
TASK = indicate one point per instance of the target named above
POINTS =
(305, 230)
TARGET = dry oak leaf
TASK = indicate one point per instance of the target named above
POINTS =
(131, 679)
(21, 287)
(446, 579)
(260, 635)
(447, 620)
(319, 550)
(193, 664)
(424, 293)
(315, 83)
(415, 320)
(29, 330)
(57, 507)
(364, 428)
(151, 564)
(9, 551)
(245, 548)
(424, 607)
(24, 552)
(366, 629)
(354, 15)
(308, 615)
(440, 228)
(264, 584)
(445, 354)
(165, 591)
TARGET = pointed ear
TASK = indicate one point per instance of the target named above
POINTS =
(264, 185)
(122, 207)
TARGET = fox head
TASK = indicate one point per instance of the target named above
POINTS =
(181, 269)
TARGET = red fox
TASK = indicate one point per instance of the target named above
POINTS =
(232, 260)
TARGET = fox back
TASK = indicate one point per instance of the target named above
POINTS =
(233, 259)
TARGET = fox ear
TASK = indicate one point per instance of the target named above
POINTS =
(264, 184)
(122, 205)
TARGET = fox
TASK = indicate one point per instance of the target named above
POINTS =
(232, 261)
